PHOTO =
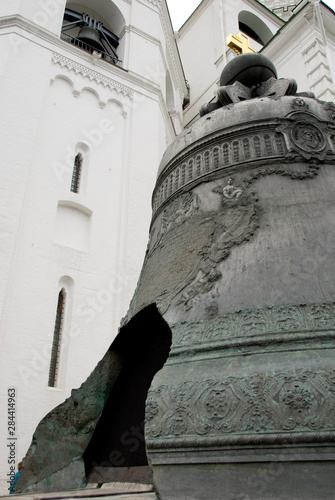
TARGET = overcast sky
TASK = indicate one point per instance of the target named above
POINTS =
(180, 10)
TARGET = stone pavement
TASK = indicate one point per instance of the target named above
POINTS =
(108, 491)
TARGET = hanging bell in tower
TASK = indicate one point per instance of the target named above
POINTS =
(91, 37)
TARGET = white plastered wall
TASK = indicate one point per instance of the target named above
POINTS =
(59, 101)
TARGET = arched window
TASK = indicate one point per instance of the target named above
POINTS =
(77, 172)
(56, 343)
(254, 27)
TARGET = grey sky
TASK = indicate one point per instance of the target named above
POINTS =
(180, 10)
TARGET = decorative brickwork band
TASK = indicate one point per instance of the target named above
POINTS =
(92, 75)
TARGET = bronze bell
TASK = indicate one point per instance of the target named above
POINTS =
(91, 37)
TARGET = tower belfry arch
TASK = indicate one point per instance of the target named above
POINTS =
(94, 30)
(254, 27)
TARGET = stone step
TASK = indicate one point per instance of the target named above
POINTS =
(107, 491)
(101, 475)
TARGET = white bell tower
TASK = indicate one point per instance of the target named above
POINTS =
(86, 116)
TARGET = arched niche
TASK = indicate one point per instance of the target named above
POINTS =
(118, 441)
(90, 92)
(116, 107)
(73, 225)
(252, 26)
(60, 78)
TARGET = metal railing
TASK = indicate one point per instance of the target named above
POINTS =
(89, 48)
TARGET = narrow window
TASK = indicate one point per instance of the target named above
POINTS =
(76, 174)
(56, 344)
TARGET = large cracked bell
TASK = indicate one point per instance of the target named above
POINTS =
(239, 271)
(241, 265)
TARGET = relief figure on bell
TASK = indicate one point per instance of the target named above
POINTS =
(230, 191)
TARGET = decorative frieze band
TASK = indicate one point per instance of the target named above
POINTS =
(274, 405)
(282, 406)
(255, 322)
(92, 75)
(156, 3)
(230, 152)
(298, 137)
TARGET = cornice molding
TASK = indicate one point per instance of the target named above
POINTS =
(172, 54)
(172, 49)
(156, 3)
(265, 11)
(92, 75)
(29, 26)
(133, 29)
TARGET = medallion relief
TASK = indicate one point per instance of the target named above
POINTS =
(308, 137)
